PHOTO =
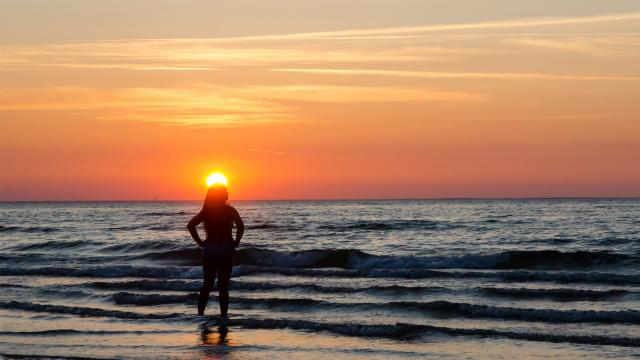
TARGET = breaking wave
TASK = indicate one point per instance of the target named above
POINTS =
(401, 331)
(55, 245)
(356, 259)
(166, 272)
(181, 272)
(398, 330)
(448, 308)
(509, 276)
(82, 311)
(555, 294)
(194, 285)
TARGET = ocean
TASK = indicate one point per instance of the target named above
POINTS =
(441, 279)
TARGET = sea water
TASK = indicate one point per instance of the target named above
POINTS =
(326, 279)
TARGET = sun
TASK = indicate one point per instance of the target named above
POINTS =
(216, 178)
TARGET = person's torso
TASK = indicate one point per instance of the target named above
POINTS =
(218, 224)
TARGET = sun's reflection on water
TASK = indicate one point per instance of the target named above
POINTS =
(215, 341)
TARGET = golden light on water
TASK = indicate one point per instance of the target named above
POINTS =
(216, 178)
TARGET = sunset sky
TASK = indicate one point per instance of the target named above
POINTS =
(141, 99)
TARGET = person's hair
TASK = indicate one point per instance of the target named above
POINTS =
(216, 216)
(217, 197)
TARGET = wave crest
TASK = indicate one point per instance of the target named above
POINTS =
(81, 311)
(555, 294)
(356, 259)
(409, 331)
(27, 229)
(441, 307)
(387, 225)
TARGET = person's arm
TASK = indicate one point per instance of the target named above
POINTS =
(192, 227)
(239, 227)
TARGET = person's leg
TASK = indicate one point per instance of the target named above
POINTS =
(224, 274)
(209, 274)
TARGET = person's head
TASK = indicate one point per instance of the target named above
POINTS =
(217, 196)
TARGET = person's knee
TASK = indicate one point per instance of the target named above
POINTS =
(207, 286)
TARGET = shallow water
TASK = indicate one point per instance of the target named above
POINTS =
(340, 279)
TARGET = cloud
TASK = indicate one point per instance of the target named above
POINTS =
(615, 45)
(341, 94)
(194, 55)
(390, 31)
(191, 106)
(208, 105)
(208, 54)
(254, 82)
(458, 75)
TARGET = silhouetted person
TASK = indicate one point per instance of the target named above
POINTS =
(218, 218)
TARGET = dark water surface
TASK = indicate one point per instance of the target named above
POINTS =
(319, 279)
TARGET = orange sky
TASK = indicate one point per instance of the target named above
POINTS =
(141, 99)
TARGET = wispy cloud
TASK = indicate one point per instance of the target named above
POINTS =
(192, 106)
(187, 55)
(205, 54)
(610, 45)
(341, 94)
(390, 31)
(458, 75)
(259, 78)
(207, 104)
(73, 98)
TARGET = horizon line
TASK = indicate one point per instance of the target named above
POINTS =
(634, 197)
